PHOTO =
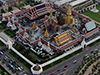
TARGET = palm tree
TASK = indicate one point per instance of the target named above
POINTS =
(84, 58)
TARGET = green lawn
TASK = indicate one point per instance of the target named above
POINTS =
(1, 43)
(2, 27)
(95, 16)
(20, 59)
(10, 32)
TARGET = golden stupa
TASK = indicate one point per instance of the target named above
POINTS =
(34, 26)
(46, 35)
(68, 17)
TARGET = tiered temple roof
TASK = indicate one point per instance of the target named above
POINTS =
(38, 10)
(61, 39)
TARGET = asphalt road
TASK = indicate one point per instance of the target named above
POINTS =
(71, 68)
(2, 56)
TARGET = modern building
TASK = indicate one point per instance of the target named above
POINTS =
(75, 4)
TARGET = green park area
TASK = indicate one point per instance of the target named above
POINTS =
(1, 43)
(10, 32)
(2, 27)
(95, 16)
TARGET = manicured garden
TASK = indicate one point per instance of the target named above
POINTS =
(10, 32)
(92, 15)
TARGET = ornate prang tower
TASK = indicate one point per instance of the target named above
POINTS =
(68, 17)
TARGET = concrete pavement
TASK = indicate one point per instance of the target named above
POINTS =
(71, 67)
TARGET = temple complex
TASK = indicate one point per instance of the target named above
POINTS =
(46, 23)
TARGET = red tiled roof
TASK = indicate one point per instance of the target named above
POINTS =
(70, 43)
(22, 33)
(91, 32)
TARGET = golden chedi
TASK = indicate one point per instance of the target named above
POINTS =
(46, 35)
(34, 26)
(68, 17)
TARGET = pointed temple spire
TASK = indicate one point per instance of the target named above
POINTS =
(69, 10)
(68, 17)
(51, 14)
(46, 35)
(34, 26)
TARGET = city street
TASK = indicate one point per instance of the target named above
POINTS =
(9, 60)
(71, 68)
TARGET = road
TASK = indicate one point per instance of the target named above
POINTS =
(8, 59)
(71, 68)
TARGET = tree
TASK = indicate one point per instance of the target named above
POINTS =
(93, 70)
(2, 11)
(83, 71)
(10, 8)
(84, 58)
(94, 66)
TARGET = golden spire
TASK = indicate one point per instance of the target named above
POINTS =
(34, 26)
(68, 17)
(69, 11)
(46, 33)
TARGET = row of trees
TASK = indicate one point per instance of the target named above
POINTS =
(87, 62)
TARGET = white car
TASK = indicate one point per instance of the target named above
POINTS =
(74, 61)
(86, 54)
(1, 53)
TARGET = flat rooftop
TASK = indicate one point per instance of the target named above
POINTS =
(77, 2)
(61, 2)
(72, 3)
